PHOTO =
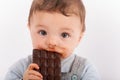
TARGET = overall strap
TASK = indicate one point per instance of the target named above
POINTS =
(76, 69)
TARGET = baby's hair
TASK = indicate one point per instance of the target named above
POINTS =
(65, 7)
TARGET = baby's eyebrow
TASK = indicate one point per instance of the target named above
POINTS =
(68, 29)
(40, 25)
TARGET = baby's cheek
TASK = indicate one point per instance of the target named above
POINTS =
(37, 45)
(67, 52)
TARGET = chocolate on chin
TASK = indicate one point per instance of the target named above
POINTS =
(49, 63)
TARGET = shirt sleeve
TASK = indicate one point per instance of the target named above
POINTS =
(90, 72)
(17, 70)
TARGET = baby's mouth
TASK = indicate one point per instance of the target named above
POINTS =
(50, 50)
(54, 50)
(58, 50)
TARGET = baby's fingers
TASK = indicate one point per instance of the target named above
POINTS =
(33, 77)
(33, 72)
(33, 66)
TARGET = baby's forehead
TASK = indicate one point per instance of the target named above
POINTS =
(55, 18)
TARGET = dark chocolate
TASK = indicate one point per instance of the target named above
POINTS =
(49, 63)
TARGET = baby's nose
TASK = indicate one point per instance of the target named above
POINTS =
(52, 42)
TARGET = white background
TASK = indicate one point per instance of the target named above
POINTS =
(100, 44)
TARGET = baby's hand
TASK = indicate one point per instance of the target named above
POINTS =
(31, 74)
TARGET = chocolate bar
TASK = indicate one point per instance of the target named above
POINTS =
(49, 63)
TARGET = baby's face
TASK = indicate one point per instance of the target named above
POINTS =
(55, 32)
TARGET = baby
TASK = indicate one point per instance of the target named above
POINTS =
(56, 25)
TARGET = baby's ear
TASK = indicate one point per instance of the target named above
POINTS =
(28, 25)
(81, 35)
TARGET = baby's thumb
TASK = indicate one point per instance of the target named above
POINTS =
(33, 66)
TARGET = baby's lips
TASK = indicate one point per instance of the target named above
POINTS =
(59, 50)
(56, 51)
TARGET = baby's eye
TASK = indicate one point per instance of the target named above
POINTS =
(65, 35)
(42, 32)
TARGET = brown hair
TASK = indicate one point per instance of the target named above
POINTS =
(65, 7)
